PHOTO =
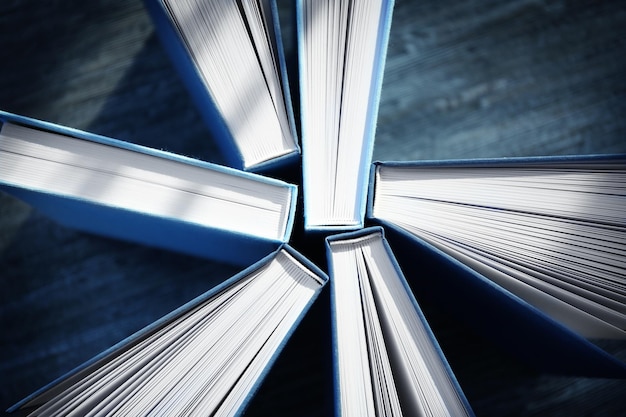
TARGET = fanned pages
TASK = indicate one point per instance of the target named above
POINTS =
(206, 358)
(342, 47)
(229, 52)
(551, 231)
(387, 362)
(117, 189)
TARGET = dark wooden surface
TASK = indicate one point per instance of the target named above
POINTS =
(463, 79)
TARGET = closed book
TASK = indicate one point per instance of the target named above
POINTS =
(528, 250)
(386, 359)
(207, 357)
(342, 48)
(230, 56)
(121, 190)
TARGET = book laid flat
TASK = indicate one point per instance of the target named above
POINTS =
(230, 56)
(121, 190)
(208, 357)
(342, 48)
(387, 361)
(539, 240)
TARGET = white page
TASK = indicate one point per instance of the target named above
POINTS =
(118, 177)
(217, 38)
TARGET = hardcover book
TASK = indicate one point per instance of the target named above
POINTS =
(387, 361)
(230, 56)
(342, 48)
(205, 358)
(537, 242)
(117, 189)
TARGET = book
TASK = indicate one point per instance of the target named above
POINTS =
(121, 190)
(341, 48)
(387, 360)
(208, 357)
(533, 243)
(230, 56)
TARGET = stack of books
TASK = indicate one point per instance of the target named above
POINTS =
(529, 252)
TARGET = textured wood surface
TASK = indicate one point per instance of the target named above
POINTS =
(463, 79)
